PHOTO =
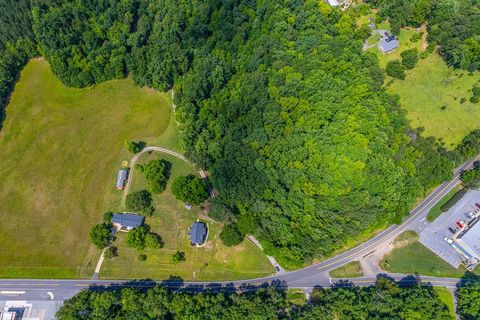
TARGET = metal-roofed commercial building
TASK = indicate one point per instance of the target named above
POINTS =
(198, 234)
(127, 221)
(121, 178)
(469, 243)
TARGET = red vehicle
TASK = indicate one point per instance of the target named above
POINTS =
(459, 224)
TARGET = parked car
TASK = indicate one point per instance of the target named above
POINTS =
(459, 224)
(451, 230)
(478, 205)
(470, 214)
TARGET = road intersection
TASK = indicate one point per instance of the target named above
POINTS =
(315, 275)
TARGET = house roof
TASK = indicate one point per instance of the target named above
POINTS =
(121, 177)
(198, 232)
(128, 219)
(389, 45)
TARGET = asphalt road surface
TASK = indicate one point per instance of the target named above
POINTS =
(307, 278)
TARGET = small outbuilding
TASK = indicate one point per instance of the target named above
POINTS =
(198, 234)
(127, 221)
(122, 178)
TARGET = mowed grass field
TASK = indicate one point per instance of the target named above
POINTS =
(59, 149)
(431, 85)
(412, 257)
(171, 221)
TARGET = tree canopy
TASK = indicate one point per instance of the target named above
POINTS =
(386, 300)
(101, 234)
(140, 202)
(157, 173)
(190, 189)
(231, 235)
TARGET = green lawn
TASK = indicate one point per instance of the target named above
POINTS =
(412, 257)
(448, 201)
(59, 149)
(171, 221)
(446, 296)
(350, 270)
(432, 85)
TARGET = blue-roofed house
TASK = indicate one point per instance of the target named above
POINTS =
(127, 221)
(198, 234)
(121, 178)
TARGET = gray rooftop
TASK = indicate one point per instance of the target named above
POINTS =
(121, 177)
(128, 220)
(198, 232)
(471, 239)
(389, 45)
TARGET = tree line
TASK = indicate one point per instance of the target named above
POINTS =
(385, 300)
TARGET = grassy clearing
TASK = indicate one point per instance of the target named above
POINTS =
(59, 149)
(446, 296)
(448, 201)
(411, 257)
(350, 270)
(171, 221)
(405, 44)
(431, 85)
(297, 297)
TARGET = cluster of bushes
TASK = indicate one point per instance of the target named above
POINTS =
(141, 238)
(135, 146)
(140, 202)
(475, 94)
(471, 178)
(396, 68)
(157, 173)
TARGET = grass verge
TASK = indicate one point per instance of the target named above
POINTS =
(446, 296)
(411, 257)
(59, 147)
(296, 297)
(350, 270)
(448, 201)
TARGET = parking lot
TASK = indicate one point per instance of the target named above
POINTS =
(432, 235)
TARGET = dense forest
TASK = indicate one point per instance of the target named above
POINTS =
(386, 300)
(276, 99)
(468, 297)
